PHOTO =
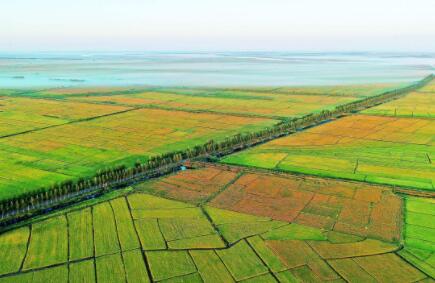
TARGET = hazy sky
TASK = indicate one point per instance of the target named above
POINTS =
(217, 25)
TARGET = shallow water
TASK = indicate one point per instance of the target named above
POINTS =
(209, 69)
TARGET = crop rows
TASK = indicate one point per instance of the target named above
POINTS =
(262, 102)
(19, 115)
(383, 150)
(347, 207)
(417, 104)
(43, 158)
(144, 238)
(76, 150)
(222, 223)
(420, 233)
(193, 186)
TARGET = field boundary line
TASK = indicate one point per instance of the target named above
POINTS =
(68, 123)
(324, 260)
(180, 276)
(68, 243)
(283, 174)
(155, 106)
(262, 261)
(189, 238)
(368, 139)
(399, 247)
(208, 217)
(429, 118)
(113, 178)
(279, 162)
(27, 248)
(93, 244)
(214, 112)
(410, 263)
(356, 166)
(121, 251)
(224, 188)
(142, 251)
(66, 263)
(161, 233)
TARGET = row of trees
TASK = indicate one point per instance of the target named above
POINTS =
(161, 164)
(384, 97)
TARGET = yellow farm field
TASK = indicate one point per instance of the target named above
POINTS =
(385, 150)
(24, 114)
(281, 102)
(180, 243)
(40, 158)
(416, 104)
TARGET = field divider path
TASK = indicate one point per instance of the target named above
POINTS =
(161, 233)
(93, 244)
(121, 251)
(61, 264)
(371, 139)
(278, 172)
(326, 261)
(194, 263)
(144, 258)
(69, 123)
(262, 261)
(356, 166)
(231, 145)
(412, 264)
(280, 161)
(221, 190)
(27, 248)
(398, 116)
(189, 110)
(199, 111)
(161, 107)
(68, 243)
(216, 229)
(36, 130)
(245, 239)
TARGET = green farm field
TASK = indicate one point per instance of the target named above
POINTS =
(417, 104)
(192, 141)
(383, 150)
(280, 103)
(41, 158)
(419, 233)
(147, 238)
(242, 218)
(20, 114)
(283, 102)
(51, 136)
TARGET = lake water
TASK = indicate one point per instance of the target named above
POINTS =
(209, 69)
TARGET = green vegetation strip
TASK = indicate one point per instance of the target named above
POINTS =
(48, 243)
(125, 228)
(110, 268)
(225, 146)
(105, 234)
(82, 272)
(278, 251)
(13, 248)
(81, 240)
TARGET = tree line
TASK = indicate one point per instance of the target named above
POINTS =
(157, 165)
